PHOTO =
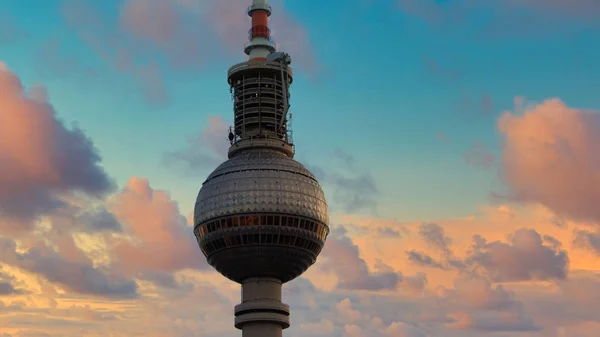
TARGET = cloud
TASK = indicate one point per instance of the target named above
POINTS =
(41, 160)
(549, 156)
(99, 219)
(525, 257)
(132, 259)
(423, 259)
(482, 307)
(6, 288)
(206, 151)
(353, 190)
(150, 39)
(162, 240)
(190, 302)
(434, 235)
(587, 240)
(76, 274)
(342, 258)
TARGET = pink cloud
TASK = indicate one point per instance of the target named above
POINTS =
(41, 160)
(164, 240)
(550, 156)
(155, 21)
(152, 38)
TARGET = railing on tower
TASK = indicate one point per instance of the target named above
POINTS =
(259, 31)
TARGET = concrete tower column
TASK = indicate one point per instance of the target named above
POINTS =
(261, 313)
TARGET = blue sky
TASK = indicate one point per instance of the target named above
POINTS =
(390, 82)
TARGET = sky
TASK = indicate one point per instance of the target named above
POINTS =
(456, 142)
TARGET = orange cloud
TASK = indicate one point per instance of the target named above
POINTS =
(550, 156)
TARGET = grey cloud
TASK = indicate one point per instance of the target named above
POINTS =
(434, 235)
(552, 242)
(525, 257)
(389, 232)
(6, 288)
(78, 276)
(416, 282)
(352, 190)
(493, 322)
(204, 151)
(341, 256)
(344, 156)
(558, 221)
(165, 280)
(587, 240)
(100, 219)
(423, 259)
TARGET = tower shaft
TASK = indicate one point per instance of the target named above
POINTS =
(261, 313)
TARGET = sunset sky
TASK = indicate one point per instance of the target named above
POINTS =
(457, 142)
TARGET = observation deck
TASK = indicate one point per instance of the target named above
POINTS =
(260, 105)
(261, 213)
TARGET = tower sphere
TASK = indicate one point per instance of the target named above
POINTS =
(261, 214)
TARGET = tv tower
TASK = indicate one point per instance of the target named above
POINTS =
(261, 218)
